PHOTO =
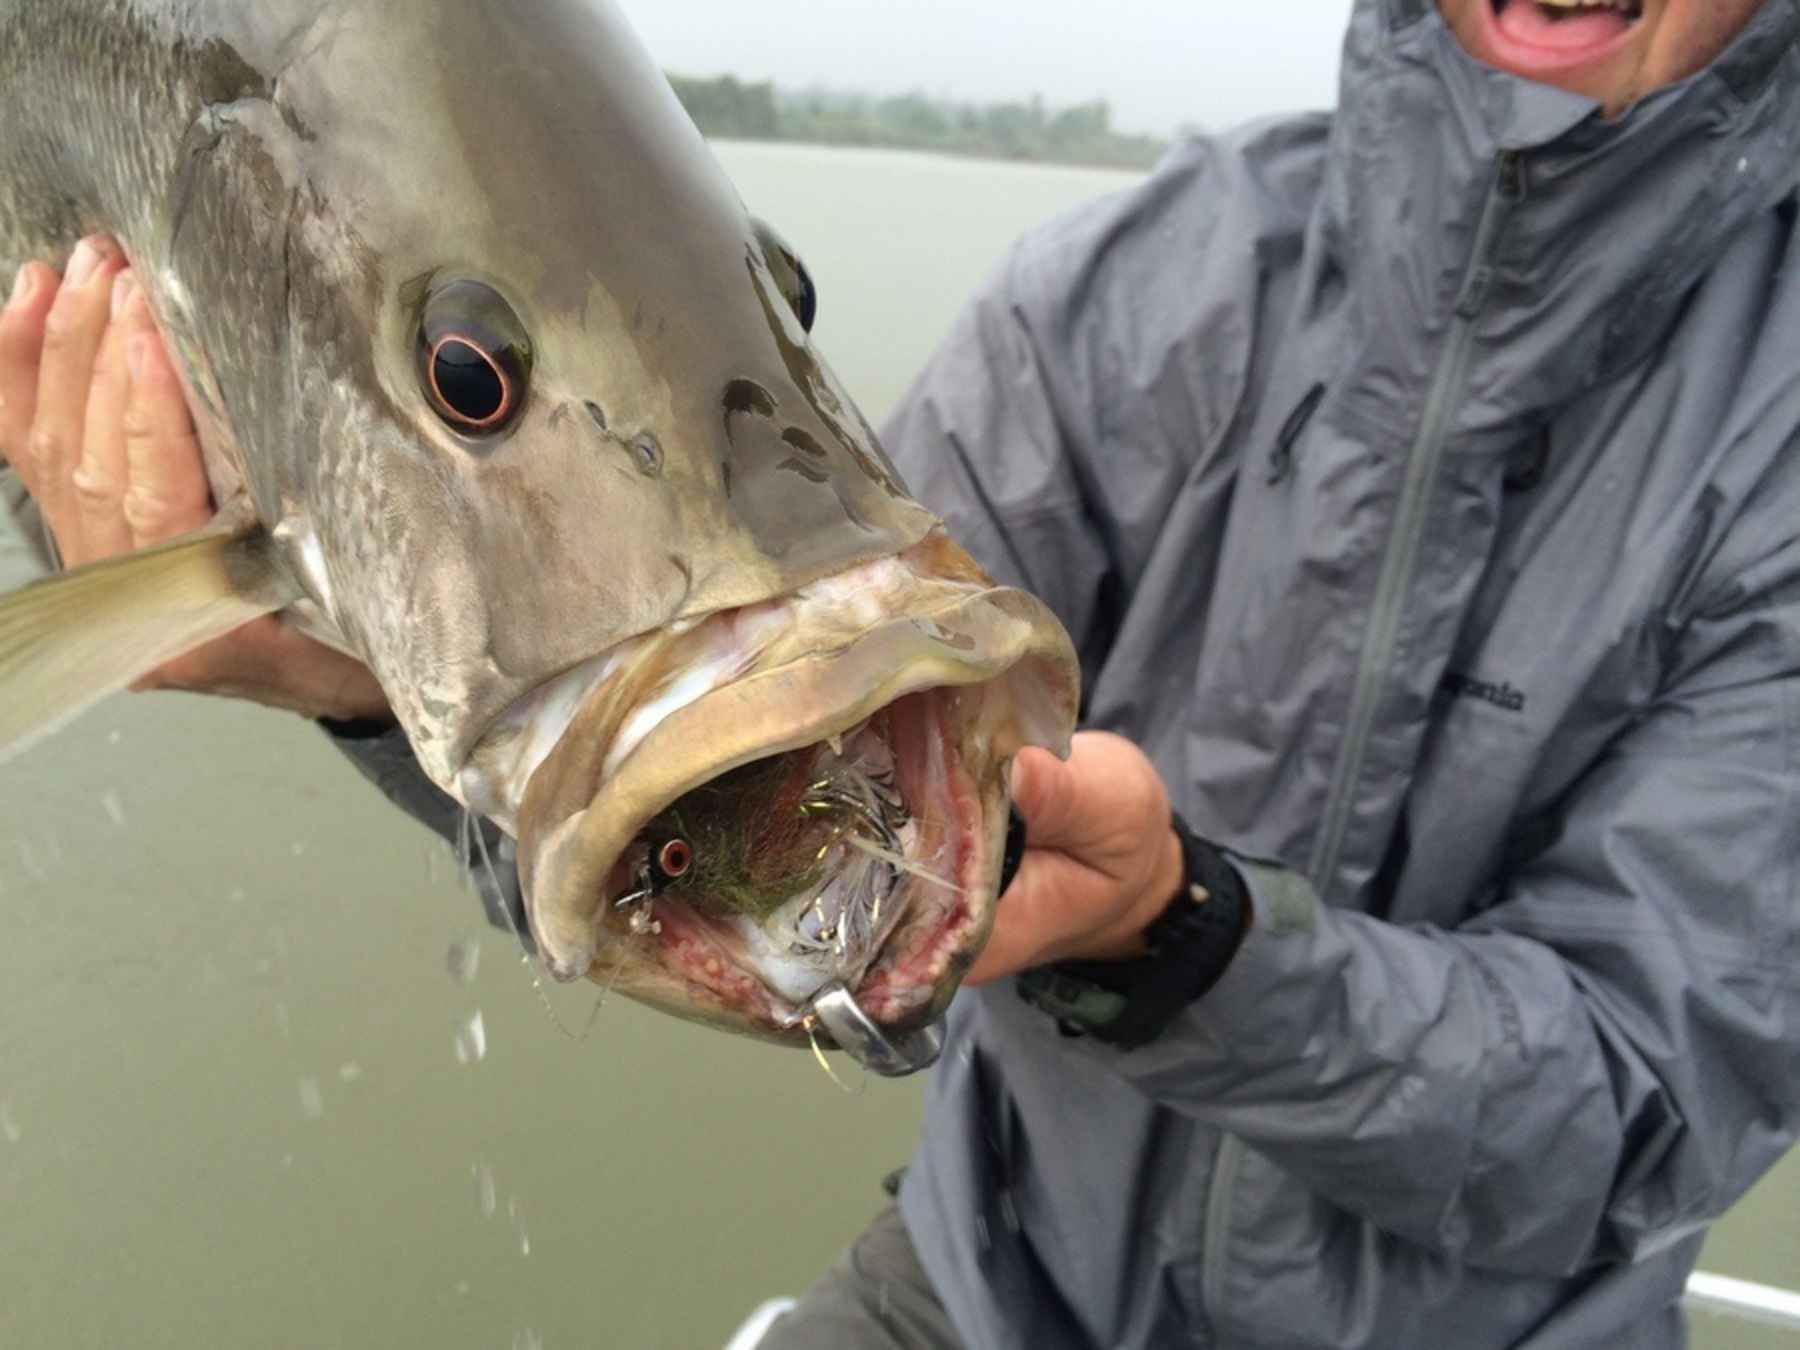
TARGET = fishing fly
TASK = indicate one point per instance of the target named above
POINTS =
(664, 863)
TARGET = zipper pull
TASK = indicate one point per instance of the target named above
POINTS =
(1281, 458)
(1510, 182)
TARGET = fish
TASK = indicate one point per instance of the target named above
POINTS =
(502, 390)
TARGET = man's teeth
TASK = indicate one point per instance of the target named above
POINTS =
(1630, 8)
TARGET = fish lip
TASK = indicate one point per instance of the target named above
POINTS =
(982, 638)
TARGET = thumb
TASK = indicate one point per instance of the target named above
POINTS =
(1045, 792)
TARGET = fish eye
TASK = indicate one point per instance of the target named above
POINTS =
(791, 275)
(474, 358)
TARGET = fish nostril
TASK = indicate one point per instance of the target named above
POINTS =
(647, 450)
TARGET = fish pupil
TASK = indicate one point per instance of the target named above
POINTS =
(468, 381)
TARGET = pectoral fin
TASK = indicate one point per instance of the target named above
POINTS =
(70, 640)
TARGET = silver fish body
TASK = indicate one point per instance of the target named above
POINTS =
(674, 552)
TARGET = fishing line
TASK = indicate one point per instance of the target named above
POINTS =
(471, 827)
(901, 862)
(812, 1037)
(612, 981)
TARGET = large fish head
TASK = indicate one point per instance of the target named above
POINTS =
(634, 571)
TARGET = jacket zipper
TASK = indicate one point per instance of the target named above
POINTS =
(1409, 522)
(1385, 613)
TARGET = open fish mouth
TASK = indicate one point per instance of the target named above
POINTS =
(790, 799)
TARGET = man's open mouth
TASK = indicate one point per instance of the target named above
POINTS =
(1549, 34)
(800, 797)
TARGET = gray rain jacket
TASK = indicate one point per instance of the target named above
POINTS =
(1422, 489)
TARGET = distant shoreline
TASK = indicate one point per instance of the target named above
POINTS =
(926, 154)
(1081, 136)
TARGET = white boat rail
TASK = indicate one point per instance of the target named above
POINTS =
(756, 1326)
(1717, 1294)
(1742, 1299)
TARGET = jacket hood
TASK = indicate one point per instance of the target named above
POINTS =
(1598, 228)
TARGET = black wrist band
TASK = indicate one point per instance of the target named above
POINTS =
(1014, 853)
(1130, 1003)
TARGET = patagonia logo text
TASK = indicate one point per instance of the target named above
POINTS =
(1502, 695)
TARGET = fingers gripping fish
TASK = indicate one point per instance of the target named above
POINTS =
(502, 392)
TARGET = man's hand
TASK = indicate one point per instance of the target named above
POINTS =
(93, 421)
(1102, 860)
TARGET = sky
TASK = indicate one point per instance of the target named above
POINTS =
(1160, 63)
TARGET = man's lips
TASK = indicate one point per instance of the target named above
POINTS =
(1527, 38)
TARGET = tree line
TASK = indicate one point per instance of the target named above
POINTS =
(1081, 134)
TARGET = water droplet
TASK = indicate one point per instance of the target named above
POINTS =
(114, 737)
(512, 1212)
(528, 1340)
(237, 895)
(471, 1040)
(109, 800)
(349, 1071)
(462, 1288)
(463, 960)
(485, 1199)
(9, 1125)
(297, 848)
(287, 1161)
(282, 1023)
(312, 1101)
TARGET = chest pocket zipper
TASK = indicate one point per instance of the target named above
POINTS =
(1281, 458)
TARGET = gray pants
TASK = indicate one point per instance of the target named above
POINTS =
(875, 1297)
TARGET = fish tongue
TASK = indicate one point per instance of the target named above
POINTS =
(1538, 25)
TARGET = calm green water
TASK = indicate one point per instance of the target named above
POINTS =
(232, 1106)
